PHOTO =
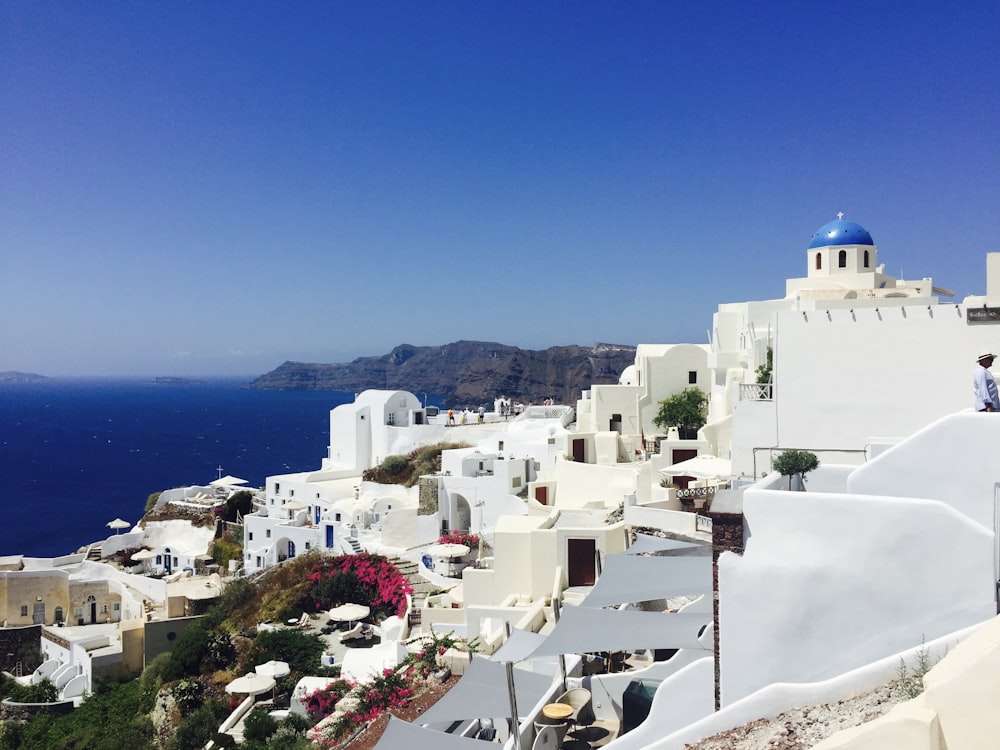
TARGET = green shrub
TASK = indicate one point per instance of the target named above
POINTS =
(301, 651)
(795, 463)
(199, 727)
(224, 550)
(686, 411)
(258, 726)
(395, 465)
(151, 501)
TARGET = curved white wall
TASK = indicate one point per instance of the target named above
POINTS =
(829, 582)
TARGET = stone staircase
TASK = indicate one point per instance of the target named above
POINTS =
(420, 585)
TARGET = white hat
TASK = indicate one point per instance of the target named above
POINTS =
(984, 354)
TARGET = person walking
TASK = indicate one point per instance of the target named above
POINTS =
(983, 384)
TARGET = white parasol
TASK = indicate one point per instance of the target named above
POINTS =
(227, 481)
(349, 612)
(144, 554)
(703, 466)
(273, 669)
(251, 684)
(118, 524)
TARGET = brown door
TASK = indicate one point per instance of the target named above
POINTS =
(542, 495)
(578, 453)
(580, 562)
(678, 455)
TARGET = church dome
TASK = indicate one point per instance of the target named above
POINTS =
(841, 232)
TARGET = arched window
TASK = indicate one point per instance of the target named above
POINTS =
(819, 262)
(842, 259)
(866, 259)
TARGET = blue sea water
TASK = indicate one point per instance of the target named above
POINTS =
(77, 453)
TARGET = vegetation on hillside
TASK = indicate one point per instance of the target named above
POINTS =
(179, 701)
(406, 470)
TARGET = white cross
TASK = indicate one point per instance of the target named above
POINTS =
(840, 214)
(219, 469)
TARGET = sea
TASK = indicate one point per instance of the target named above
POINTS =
(78, 453)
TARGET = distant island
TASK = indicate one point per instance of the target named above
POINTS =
(464, 372)
(169, 380)
(13, 376)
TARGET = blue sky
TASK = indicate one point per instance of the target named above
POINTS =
(216, 187)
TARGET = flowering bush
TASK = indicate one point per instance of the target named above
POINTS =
(323, 702)
(459, 537)
(361, 579)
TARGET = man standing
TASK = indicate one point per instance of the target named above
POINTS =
(984, 385)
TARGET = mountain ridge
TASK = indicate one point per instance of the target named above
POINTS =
(464, 372)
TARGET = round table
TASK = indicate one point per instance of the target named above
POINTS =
(557, 711)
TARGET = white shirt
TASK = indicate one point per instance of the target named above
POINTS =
(985, 388)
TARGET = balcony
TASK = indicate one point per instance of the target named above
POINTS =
(756, 391)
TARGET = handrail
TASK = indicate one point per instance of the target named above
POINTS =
(756, 391)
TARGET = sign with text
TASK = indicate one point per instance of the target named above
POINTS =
(982, 315)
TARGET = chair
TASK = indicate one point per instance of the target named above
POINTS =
(581, 701)
(548, 730)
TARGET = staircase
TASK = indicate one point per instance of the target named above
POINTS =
(94, 552)
(420, 585)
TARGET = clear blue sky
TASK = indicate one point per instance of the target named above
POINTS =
(215, 187)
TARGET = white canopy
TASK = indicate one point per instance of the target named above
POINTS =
(402, 735)
(641, 578)
(591, 630)
(227, 481)
(294, 505)
(703, 466)
(482, 693)
(144, 554)
(251, 684)
(517, 647)
(349, 612)
(119, 523)
(273, 669)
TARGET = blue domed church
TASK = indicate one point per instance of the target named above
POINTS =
(843, 264)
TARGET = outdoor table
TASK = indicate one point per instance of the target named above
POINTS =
(557, 711)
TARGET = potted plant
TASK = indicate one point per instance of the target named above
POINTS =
(795, 464)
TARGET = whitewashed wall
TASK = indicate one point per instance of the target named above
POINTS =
(829, 582)
(953, 460)
(843, 377)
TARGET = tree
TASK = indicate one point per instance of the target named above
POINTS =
(795, 463)
(764, 371)
(686, 411)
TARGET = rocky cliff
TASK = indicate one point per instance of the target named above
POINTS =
(465, 373)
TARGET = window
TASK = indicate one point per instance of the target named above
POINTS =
(277, 487)
(250, 535)
(116, 606)
(159, 559)
(336, 517)
(499, 445)
(104, 609)
(291, 493)
(77, 611)
(866, 259)
(268, 533)
(307, 545)
(842, 259)
(24, 610)
(819, 262)
(692, 376)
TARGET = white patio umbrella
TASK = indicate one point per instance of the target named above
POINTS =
(704, 466)
(227, 481)
(273, 669)
(251, 684)
(349, 612)
(144, 554)
(118, 524)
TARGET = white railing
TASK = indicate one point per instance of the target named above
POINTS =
(756, 391)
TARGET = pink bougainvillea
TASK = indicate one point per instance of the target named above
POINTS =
(459, 537)
(363, 576)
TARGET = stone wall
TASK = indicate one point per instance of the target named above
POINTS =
(14, 641)
(727, 536)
